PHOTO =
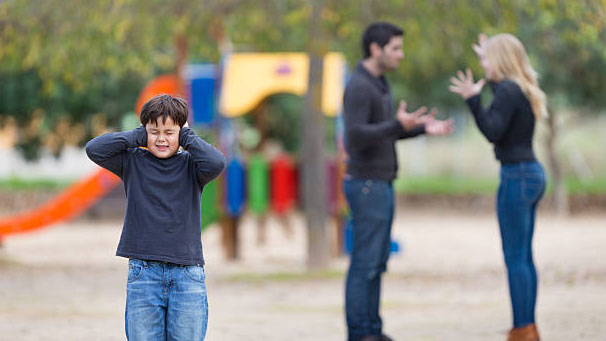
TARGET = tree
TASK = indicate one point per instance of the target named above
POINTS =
(314, 169)
(91, 60)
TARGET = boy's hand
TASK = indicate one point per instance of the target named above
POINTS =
(181, 136)
(141, 136)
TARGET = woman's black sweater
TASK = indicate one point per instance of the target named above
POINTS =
(508, 122)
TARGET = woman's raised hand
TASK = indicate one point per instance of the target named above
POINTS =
(464, 85)
(479, 47)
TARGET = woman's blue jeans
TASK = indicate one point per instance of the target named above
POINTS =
(165, 301)
(522, 186)
(372, 207)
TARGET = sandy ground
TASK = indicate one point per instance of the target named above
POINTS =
(447, 283)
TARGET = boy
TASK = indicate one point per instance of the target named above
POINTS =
(166, 292)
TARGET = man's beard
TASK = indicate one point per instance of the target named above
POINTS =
(385, 66)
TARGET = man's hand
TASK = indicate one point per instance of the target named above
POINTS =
(410, 120)
(437, 127)
(464, 84)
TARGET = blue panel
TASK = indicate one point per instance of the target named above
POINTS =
(202, 80)
(235, 187)
(203, 100)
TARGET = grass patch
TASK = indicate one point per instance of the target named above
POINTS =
(445, 185)
(286, 276)
(463, 185)
(19, 184)
(407, 185)
(589, 186)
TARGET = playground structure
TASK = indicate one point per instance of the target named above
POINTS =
(216, 94)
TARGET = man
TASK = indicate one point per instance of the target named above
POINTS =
(371, 131)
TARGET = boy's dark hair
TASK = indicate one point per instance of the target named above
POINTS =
(380, 33)
(165, 106)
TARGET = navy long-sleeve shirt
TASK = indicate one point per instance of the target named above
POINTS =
(508, 122)
(371, 129)
(162, 220)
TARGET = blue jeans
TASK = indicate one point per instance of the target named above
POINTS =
(522, 186)
(165, 301)
(372, 207)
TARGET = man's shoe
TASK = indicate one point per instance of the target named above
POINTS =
(371, 338)
(383, 337)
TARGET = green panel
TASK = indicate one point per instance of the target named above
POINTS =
(258, 184)
(209, 204)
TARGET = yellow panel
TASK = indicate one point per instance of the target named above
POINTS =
(334, 83)
(248, 78)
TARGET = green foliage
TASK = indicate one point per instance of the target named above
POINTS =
(22, 97)
(92, 58)
(284, 121)
(565, 40)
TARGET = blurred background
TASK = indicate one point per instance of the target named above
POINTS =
(70, 71)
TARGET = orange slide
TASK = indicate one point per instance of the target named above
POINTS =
(68, 204)
(80, 196)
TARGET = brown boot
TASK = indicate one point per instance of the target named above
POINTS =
(526, 333)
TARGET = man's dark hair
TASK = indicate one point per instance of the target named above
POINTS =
(380, 33)
(165, 106)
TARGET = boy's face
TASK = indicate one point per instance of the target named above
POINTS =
(163, 138)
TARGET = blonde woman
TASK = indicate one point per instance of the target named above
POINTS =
(509, 123)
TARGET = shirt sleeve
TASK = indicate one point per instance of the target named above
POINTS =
(494, 120)
(412, 132)
(208, 162)
(109, 150)
(359, 129)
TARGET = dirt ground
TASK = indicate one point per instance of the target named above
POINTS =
(446, 283)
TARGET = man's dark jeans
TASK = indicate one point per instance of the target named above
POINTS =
(372, 207)
(522, 186)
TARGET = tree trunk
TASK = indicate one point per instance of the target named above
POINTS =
(180, 61)
(314, 170)
(560, 196)
(229, 237)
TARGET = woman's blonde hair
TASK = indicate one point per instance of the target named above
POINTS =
(508, 60)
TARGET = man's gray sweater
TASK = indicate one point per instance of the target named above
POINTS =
(371, 129)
